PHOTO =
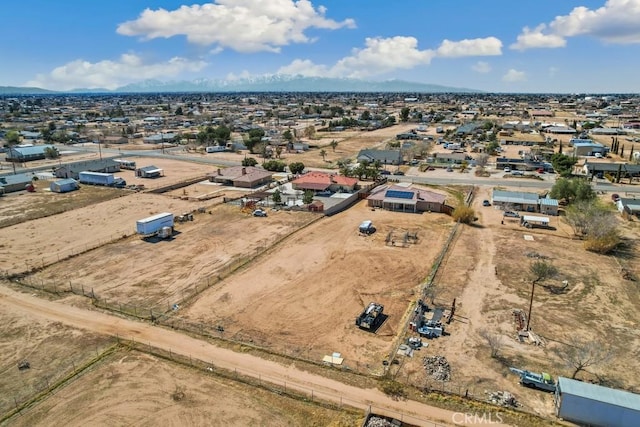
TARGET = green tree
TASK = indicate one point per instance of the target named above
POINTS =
(255, 137)
(12, 137)
(296, 167)
(222, 134)
(404, 114)
(333, 144)
(307, 197)
(572, 190)
(51, 153)
(563, 164)
(287, 135)
(492, 147)
(274, 165)
(249, 161)
(366, 115)
(178, 111)
(277, 197)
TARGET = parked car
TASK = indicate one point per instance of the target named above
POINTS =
(507, 169)
(398, 173)
(511, 214)
(486, 203)
(259, 212)
(385, 172)
(520, 173)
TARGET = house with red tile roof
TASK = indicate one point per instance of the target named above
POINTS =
(323, 181)
(407, 198)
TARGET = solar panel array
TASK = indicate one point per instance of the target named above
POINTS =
(397, 194)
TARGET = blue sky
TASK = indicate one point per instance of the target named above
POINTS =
(563, 46)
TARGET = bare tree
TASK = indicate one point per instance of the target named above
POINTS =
(482, 160)
(494, 341)
(579, 355)
(540, 270)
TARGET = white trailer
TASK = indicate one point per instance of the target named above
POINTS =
(154, 224)
(594, 405)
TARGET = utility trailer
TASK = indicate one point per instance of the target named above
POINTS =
(156, 225)
(371, 317)
(101, 178)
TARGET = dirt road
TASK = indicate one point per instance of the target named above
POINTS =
(246, 364)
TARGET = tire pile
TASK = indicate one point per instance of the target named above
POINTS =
(437, 367)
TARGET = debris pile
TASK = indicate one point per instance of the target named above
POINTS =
(438, 367)
(536, 255)
(379, 422)
(503, 398)
(24, 365)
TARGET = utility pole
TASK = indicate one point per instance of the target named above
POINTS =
(533, 287)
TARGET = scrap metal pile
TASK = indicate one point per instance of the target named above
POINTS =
(438, 367)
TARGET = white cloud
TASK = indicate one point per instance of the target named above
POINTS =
(513, 76)
(304, 67)
(379, 56)
(481, 67)
(111, 74)
(615, 22)
(383, 55)
(242, 25)
(537, 39)
(489, 46)
(552, 71)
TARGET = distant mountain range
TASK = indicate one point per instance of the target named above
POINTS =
(274, 83)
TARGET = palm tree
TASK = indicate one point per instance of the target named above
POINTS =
(333, 145)
(323, 153)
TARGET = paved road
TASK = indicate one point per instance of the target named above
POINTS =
(170, 340)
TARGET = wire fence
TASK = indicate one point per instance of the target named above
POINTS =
(17, 398)
(281, 387)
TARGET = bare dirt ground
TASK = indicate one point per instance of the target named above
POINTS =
(160, 392)
(45, 240)
(52, 349)
(291, 376)
(488, 274)
(304, 296)
(157, 274)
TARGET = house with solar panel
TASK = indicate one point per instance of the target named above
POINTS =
(406, 197)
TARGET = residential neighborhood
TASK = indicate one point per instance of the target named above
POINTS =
(454, 189)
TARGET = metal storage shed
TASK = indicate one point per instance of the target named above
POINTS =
(63, 185)
(595, 405)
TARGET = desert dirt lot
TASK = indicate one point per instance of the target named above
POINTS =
(161, 392)
(487, 272)
(52, 349)
(159, 273)
(303, 297)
